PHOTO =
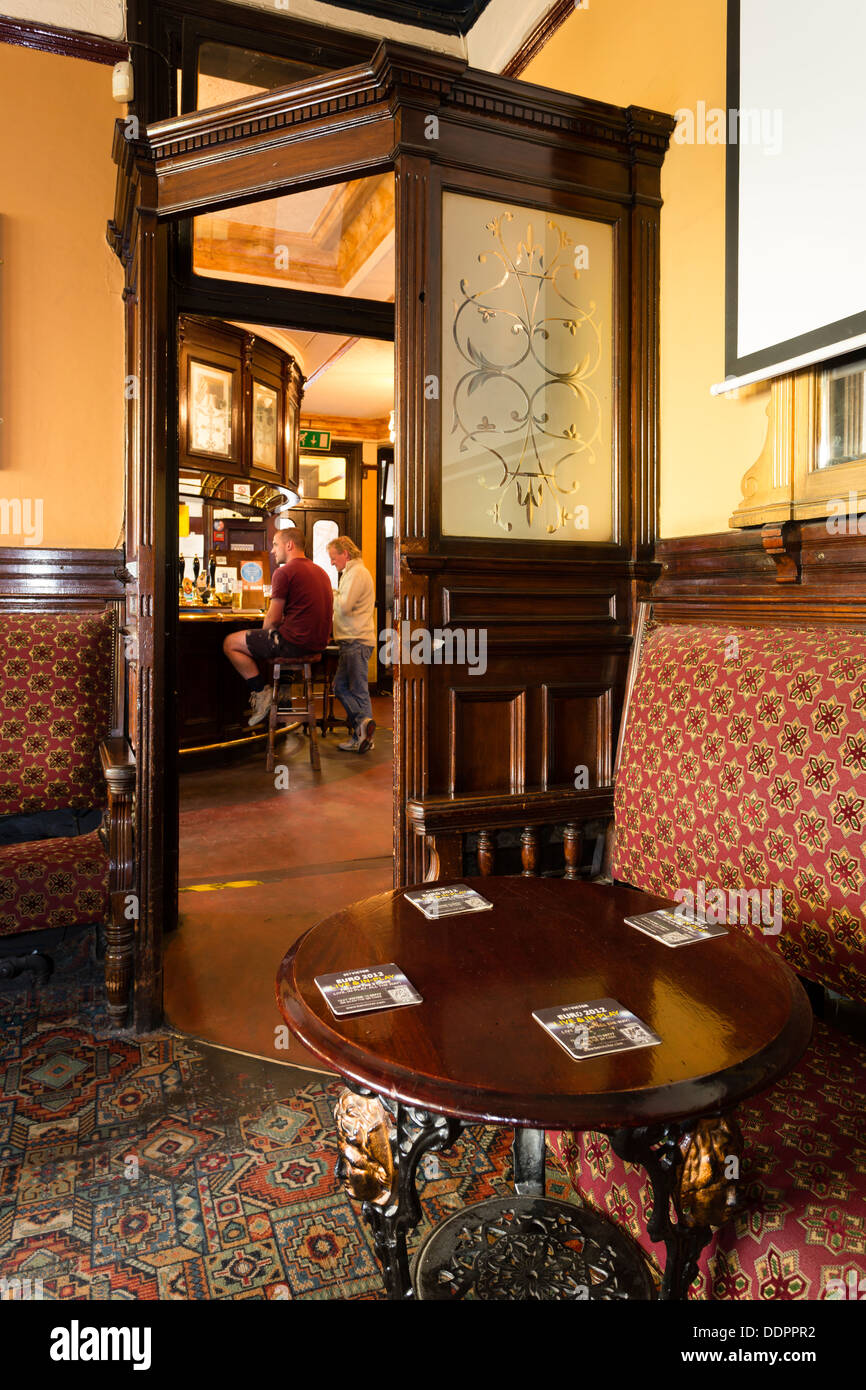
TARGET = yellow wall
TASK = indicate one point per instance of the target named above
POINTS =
(668, 55)
(61, 313)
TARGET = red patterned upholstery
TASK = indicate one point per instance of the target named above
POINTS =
(53, 883)
(803, 1184)
(54, 709)
(744, 765)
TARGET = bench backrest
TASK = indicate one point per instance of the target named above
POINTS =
(742, 767)
(55, 707)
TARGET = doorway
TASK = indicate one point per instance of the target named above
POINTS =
(262, 856)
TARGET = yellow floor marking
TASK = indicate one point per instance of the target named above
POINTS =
(215, 887)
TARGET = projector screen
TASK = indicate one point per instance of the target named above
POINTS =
(796, 184)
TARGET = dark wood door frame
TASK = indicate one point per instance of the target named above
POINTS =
(548, 150)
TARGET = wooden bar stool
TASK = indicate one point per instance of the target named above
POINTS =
(302, 712)
(330, 662)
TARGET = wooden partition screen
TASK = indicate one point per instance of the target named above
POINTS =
(526, 464)
(526, 330)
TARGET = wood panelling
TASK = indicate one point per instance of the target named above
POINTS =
(565, 606)
(348, 426)
(33, 578)
(487, 739)
(576, 734)
(730, 575)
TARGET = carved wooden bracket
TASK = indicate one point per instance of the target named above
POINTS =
(781, 541)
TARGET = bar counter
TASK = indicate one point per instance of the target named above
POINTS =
(213, 701)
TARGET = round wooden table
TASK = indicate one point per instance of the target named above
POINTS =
(731, 1015)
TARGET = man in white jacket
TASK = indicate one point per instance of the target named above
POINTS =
(355, 635)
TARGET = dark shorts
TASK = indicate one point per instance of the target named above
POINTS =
(267, 646)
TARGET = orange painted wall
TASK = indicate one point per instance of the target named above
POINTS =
(668, 55)
(61, 312)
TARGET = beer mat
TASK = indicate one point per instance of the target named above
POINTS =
(447, 901)
(674, 928)
(595, 1028)
(370, 988)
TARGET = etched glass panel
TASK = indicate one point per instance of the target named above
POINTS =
(527, 353)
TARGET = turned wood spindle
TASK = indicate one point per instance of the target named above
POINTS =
(486, 853)
(571, 844)
(529, 850)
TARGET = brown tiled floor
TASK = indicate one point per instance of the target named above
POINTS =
(302, 852)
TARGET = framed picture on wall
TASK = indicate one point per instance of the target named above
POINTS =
(210, 410)
(266, 411)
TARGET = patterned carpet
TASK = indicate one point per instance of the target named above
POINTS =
(159, 1168)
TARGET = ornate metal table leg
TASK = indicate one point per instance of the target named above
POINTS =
(695, 1163)
(527, 1151)
(380, 1145)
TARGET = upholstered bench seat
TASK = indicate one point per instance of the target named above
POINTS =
(741, 781)
(64, 768)
(53, 883)
(802, 1190)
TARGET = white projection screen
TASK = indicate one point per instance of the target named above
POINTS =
(796, 183)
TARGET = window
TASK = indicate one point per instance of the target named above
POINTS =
(323, 533)
(323, 478)
(843, 415)
(226, 73)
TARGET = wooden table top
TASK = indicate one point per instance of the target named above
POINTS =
(731, 1015)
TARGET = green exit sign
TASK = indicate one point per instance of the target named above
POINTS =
(315, 439)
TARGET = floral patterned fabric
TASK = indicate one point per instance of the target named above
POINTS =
(53, 883)
(802, 1222)
(54, 709)
(744, 768)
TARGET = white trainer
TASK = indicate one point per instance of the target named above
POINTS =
(260, 703)
(350, 746)
(365, 735)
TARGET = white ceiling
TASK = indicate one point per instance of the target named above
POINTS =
(353, 377)
(497, 34)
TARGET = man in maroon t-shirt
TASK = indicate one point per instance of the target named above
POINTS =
(297, 623)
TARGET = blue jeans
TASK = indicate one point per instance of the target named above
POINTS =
(350, 682)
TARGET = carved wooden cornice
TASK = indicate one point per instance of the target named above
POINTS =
(249, 117)
(401, 75)
(541, 34)
(71, 44)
